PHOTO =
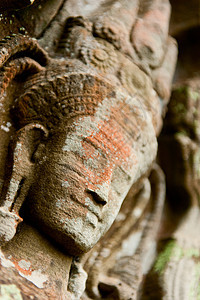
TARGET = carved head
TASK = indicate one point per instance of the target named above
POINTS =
(87, 134)
(100, 142)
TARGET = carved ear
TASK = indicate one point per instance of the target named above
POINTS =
(18, 54)
(27, 149)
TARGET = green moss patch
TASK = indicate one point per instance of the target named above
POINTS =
(173, 250)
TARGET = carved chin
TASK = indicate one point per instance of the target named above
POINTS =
(76, 236)
(69, 223)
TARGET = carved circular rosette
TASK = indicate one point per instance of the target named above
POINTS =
(132, 79)
(100, 55)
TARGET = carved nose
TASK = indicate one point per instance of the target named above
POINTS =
(98, 197)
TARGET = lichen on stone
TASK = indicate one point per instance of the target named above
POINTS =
(174, 252)
(195, 286)
(164, 257)
(10, 292)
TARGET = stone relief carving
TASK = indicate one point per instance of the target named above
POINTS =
(81, 111)
(178, 255)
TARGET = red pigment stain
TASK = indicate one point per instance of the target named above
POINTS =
(111, 141)
(110, 146)
(25, 272)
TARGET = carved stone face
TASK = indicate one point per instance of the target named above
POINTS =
(88, 166)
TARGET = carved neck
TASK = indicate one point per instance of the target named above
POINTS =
(39, 261)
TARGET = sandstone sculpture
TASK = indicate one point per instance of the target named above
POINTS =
(81, 109)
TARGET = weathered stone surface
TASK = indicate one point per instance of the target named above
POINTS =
(181, 133)
(163, 75)
(150, 32)
(38, 16)
(80, 117)
(21, 265)
(13, 4)
(116, 266)
(178, 259)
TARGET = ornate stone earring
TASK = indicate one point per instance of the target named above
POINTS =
(18, 54)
